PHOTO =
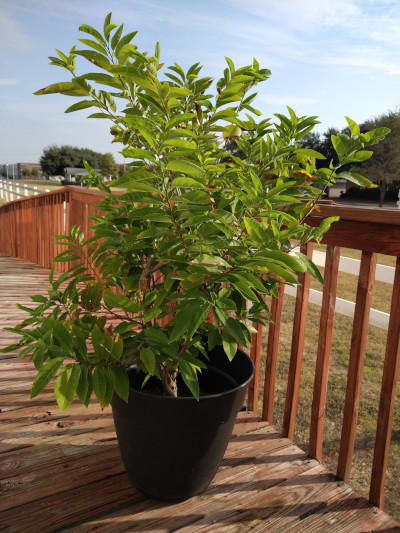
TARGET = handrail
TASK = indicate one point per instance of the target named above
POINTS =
(27, 228)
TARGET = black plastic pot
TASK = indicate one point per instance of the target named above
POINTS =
(171, 447)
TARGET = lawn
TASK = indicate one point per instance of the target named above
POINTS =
(42, 185)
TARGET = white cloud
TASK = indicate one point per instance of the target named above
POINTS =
(9, 81)
(13, 34)
(394, 70)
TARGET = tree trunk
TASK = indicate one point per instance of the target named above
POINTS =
(382, 192)
(169, 381)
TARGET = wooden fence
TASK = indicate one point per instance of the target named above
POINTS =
(27, 227)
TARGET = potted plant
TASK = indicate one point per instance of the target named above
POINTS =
(181, 259)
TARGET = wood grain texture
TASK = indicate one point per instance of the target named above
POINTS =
(296, 354)
(255, 354)
(324, 351)
(365, 286)
(272, 356)
(388, 396)
(364, 229)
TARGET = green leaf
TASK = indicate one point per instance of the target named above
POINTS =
(341, 144)
(229, 344)
(85, 385)
(99, 383)
(309, 153)
(45, 375)
(245, 290)
(233, 327)
(157, 52)
(79, 341)
(139, 153)
(178, 119)
(214, 338)
(109, 380)
(66, 385)
(187, 183)
(180, 327)
(284, 258)
(116, 37)
(88, 29)
(180, 143)
(354, 128)
(311, 267)
(184, 166)
(94, 57)
(107, 21)
(95, 45)
(355, 178)
(121, 380)
(358, 157)
(230, 64)
(63, 87)
(148, 359)
(84, 104)
(155, 335)
(126, 39)
(189, 376)
(108, 29)
(60, 333)
(113, 300)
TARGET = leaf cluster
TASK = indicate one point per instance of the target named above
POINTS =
(185, 255)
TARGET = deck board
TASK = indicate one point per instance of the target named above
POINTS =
(63, 472)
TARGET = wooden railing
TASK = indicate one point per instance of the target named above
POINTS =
(28, 225)
(27, 228)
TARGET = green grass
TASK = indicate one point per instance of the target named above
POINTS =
(41, 185)
(369, 401)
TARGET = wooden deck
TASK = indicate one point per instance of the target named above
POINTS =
(63, 472)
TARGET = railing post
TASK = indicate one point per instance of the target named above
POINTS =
(272, 355)
(356, 364)
(388, 396)
(296, 355)
(324, 351)
(255, 354)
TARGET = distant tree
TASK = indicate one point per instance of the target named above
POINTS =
(29, 172)
(121, 169)
(384, 167)
(323, 144)
(56, 158)
(233, 148)
(108, 166)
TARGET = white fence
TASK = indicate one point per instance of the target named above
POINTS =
(12, 190)
(345, 307)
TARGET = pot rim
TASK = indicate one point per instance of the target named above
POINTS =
(202, 397)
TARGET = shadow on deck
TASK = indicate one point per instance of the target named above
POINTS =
(63, 472)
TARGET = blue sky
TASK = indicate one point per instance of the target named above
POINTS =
(328, 58)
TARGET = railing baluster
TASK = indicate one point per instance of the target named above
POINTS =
(387, 399)
(296, 355)
(272, 356)
(324, 351)
(356, 363)
(255, 354)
